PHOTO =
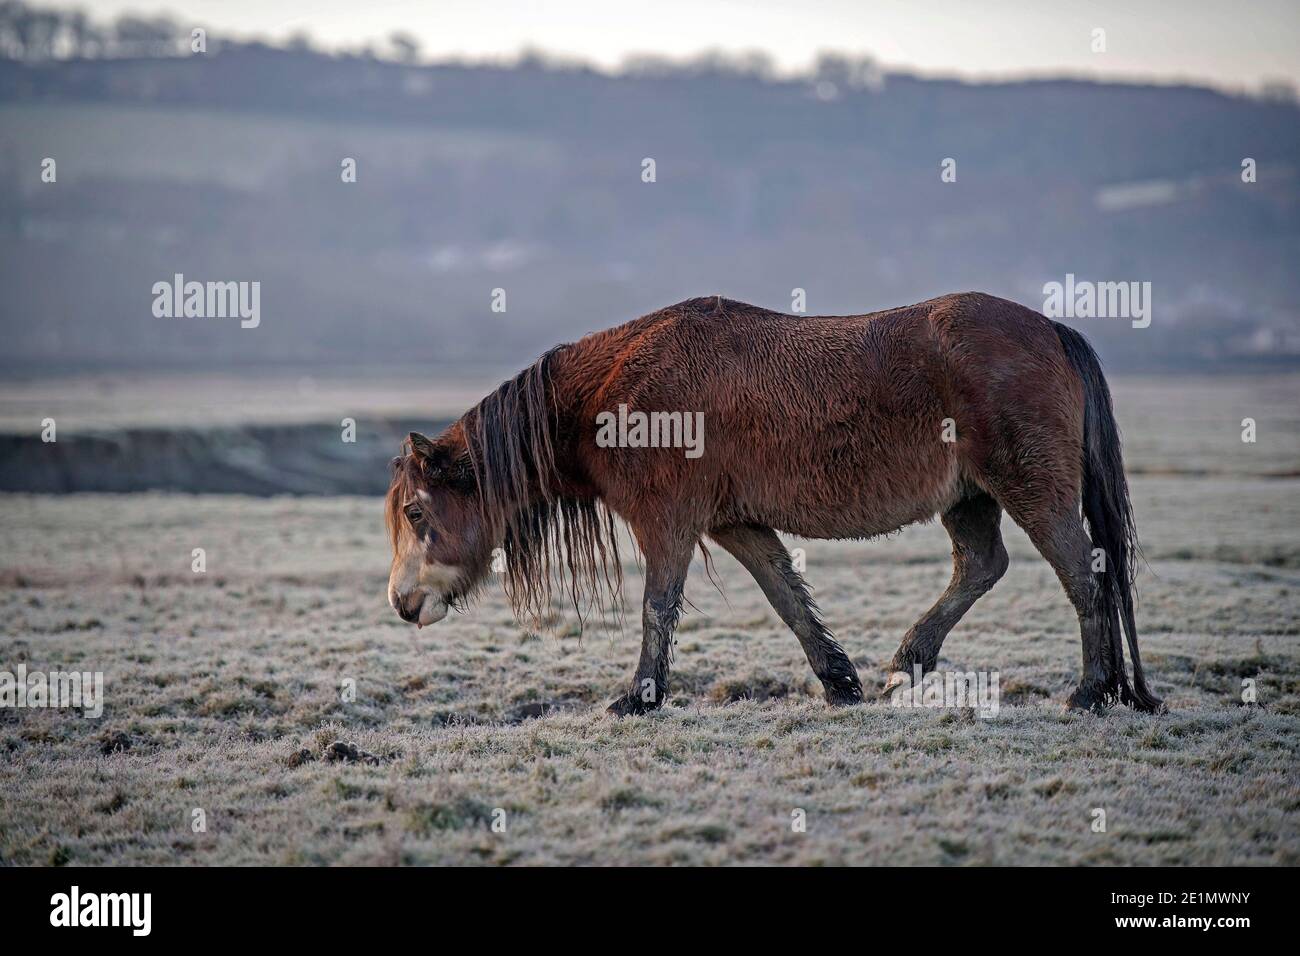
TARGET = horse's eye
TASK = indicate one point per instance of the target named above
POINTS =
(414, 513)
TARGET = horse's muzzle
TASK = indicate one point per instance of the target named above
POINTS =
(420, 607)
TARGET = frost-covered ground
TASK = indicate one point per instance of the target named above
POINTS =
(224, 693)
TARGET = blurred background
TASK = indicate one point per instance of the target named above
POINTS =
(501, 146)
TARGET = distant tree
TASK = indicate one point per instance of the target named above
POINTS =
(84, 38)
(1278, 91)
(299, 42)
(28, 34)
(648, 65)
(705, 63)
(847, 72)
(10, 42)
(535, 58)
(405, 46)
(146, 36)
(756, 63)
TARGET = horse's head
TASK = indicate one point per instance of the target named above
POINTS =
(441, 548)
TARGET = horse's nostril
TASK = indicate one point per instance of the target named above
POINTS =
(406, 614)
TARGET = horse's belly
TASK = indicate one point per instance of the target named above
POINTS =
(854, 503)
(851, 522)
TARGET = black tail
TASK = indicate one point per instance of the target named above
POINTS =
(1109, 516)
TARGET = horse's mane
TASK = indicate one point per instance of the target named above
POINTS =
(557, 539)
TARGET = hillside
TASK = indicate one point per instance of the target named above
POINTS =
(528, 178)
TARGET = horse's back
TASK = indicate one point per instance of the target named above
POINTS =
(838, 425)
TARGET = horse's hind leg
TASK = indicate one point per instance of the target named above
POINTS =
(979, 559)
(761, 552)
(1063, 541)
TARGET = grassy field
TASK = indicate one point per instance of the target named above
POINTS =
(225, 694)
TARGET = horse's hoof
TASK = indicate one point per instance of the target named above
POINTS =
(896, 680)
(629, 706)
(843, 692)
(1146, 704)
(1087, 698)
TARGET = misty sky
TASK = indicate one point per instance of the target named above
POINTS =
(1230, 43)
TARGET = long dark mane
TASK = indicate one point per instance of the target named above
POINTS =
(550, 538)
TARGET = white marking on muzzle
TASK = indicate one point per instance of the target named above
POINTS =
(412, 576)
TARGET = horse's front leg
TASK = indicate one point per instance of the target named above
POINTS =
(665, 576)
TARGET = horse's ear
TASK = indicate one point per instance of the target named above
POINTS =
(420, 445)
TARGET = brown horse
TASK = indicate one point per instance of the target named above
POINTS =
(819, 426)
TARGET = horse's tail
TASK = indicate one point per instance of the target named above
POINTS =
(1109, 515)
